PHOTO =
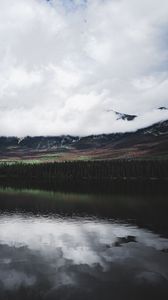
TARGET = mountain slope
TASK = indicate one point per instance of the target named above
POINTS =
(149, 142)
(123, 116)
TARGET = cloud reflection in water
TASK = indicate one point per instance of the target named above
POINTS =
(76, 257)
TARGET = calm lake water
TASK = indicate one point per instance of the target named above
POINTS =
(82, 246)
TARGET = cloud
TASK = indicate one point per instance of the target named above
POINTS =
(64, 63)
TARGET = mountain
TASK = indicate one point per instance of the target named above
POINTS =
(162, 108)
(122, 116)
(150, 142)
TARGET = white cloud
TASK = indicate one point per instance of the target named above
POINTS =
(62, 66)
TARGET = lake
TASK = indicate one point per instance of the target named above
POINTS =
(56, 245)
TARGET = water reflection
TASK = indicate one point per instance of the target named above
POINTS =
(82, 256)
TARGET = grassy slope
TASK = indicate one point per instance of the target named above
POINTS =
(94, 154)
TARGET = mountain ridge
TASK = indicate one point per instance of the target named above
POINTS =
(151, 141)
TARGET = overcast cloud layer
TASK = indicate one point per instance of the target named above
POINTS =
(63, 64)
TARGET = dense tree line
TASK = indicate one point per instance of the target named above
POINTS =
(90, 170)
(92, 176)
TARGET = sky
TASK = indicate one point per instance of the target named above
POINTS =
(65, 65)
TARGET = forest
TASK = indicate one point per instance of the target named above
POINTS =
(81, 174)
(88, 170)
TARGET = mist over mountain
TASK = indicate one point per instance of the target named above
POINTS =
(64, 64)
(143, 143)
(83, 149)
